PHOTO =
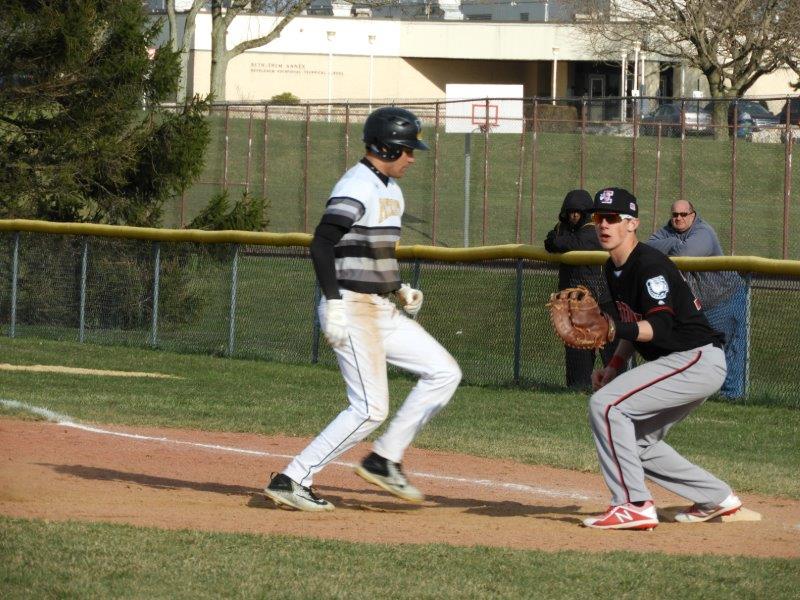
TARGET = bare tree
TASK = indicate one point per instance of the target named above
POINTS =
(732, 42)
(185, 45)
(222, 18)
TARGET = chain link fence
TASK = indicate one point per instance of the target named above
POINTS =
(258, 302)
(484, 187)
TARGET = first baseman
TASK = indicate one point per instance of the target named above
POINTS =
(631, 413)
(353, 252)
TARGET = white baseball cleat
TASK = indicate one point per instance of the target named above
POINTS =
(698, 513)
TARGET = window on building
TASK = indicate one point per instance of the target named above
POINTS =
(524, 16)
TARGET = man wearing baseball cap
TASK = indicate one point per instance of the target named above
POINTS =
(630, 413)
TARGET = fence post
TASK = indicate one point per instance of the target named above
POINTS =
(225, 159)
(84, 264)
(748, 284)
(787, 178)
(633, 144)
(467, 183)
(733, 175)
(415, 274)
(249, 153)
(12, 330)
(583, 144)
(534, 148)
(266, 146)
(485, 173)
(315, 325)
(518, 323)
(346, 136)
(436, 156)
(232, 313)
(682, 168)
(305, 167)
(520, 180)
(658, 176)
(156, 275)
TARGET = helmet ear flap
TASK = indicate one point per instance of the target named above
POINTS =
(385, 151)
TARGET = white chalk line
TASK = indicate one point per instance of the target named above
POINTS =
(83, 371)
(67, 421)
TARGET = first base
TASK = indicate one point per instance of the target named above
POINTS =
(743, 514)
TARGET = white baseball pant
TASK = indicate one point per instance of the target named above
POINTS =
(380, 333)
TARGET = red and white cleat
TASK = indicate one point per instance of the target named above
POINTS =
(699, 513)
(625, 516)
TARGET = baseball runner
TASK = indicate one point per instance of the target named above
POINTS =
(353, 252)
(630, 413)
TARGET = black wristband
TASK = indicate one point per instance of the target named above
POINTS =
(627, 331)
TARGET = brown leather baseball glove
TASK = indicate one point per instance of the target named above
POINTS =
(578, 320)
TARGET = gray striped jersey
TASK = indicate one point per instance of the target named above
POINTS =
(371, 211)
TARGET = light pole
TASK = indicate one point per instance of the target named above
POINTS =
(555, 74)
(331, 35)
(371, 39)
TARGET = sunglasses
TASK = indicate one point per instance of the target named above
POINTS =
(610, 218)
(675, 215)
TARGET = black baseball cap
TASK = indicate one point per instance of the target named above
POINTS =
(616, 200)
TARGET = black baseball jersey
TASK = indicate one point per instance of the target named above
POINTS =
(649, 286)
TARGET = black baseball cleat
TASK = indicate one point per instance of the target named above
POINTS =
(284, 491)
(389, 476)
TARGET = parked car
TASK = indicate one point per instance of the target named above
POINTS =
(794, 111)
(696, 119)
(752, 115)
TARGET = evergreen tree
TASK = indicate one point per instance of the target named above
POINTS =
(82, 135)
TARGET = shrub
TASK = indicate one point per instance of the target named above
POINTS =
(285, 98)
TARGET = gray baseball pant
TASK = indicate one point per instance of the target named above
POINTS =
(631, 414)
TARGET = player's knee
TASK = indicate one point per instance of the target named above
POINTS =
(452, 376)
(598, 404)
(378, 415)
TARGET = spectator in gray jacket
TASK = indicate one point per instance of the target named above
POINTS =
(723, 294)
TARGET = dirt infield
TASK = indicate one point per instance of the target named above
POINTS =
(211, 481)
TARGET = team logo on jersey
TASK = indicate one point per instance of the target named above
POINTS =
(389, 208)
(657, 287)
(607, 197)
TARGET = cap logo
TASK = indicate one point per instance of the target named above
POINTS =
(607, 197)
(632, 206)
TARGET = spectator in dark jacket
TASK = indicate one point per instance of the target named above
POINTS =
(575, 231)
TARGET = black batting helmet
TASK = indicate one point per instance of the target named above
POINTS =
(390, 129)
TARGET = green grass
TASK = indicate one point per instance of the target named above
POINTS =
(753, 447)
(297, 202)
(48, 560)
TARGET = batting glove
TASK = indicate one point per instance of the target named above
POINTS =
(335, 327)
(410, 298)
